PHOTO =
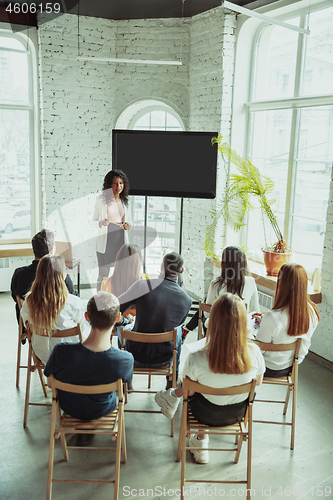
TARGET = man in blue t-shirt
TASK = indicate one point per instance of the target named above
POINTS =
(92, 362)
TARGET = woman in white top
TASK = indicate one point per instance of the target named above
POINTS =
(234, 279)
(49, 307)
(109, 213)
(226, 360)
(293, 315)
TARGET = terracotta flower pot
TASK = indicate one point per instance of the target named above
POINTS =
(275, 260)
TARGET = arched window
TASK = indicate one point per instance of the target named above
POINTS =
(18, 142)
(163, 212)
(291, 130)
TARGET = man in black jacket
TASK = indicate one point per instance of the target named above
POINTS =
(23, 277)
(161, 305)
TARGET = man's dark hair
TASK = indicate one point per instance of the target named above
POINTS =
(173, 263)
(42, 243)
(103, 309)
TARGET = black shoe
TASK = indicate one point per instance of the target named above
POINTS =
(83, 439)
(23, 341)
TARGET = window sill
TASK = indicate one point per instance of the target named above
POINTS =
(16, 250)
(258, 272)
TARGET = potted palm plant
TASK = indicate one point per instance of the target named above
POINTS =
(241, 187)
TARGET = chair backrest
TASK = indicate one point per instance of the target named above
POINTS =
(204, 308)
(149, 338)
(86, 389)
(191, 385)
(269, 346)
(69, 332)
(19, 301)
(64, 249)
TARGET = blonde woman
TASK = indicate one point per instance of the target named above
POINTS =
(226, 360)
(49, 307)
(293, 316)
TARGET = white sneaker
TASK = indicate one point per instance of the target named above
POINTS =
(167, 402)
(200, 456)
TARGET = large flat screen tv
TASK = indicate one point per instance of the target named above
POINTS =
(163, 163)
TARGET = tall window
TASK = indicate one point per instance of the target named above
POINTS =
(291, 131)
(163, 212)
(17, 155)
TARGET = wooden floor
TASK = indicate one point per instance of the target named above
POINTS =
(151, 470)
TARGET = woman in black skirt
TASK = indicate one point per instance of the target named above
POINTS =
(109, 212)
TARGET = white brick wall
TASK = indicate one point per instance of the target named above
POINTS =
(211, 79)
(80, 103)
(322, 340)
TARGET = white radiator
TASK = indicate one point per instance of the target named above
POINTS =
(266, 300)
(6, 273)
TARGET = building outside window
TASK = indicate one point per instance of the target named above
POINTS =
(291, 131)
(17, 138)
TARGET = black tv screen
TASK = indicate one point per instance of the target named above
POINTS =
(163, 163)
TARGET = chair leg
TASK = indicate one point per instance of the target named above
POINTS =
(239, 443)
(249, 463)
(18, 359)
(285, 408)
(42, 381)
(118, 453)
(149, 381)
(182, 474)
(293, 418)
(123, 441)
(125, 393)
(180, 439)
(27, 390)
(172, 426)
(51, 456)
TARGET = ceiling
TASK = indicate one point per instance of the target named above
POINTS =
(126, 9)
(150, 9)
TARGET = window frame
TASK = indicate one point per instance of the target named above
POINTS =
(28, 38)
(244, 104)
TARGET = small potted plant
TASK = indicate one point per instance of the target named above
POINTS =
(241, 186)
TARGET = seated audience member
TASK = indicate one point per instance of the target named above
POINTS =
(127, 270)
(42, 244)
(234, 279)
(92, 362)
(161, 305)
(49, 307)
(226, 360)
(293, 316)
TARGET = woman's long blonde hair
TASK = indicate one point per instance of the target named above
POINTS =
(48, 294)
(292, 294)
(227, 336)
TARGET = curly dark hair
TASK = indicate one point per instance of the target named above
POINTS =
(107, 186)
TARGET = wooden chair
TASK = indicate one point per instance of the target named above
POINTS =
(35, 364)
(112, 424)
(241, 430)
(21, 336)
(202, 308)
(167, 371)
(289, 381)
